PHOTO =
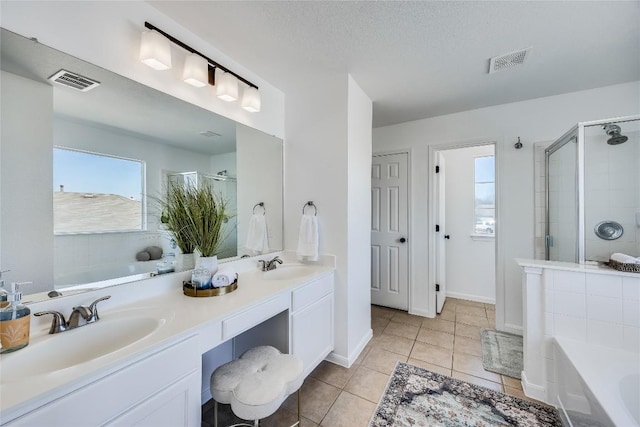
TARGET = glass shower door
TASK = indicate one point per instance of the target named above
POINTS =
(562, 203)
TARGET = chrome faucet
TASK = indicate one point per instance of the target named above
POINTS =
(271, 264)
(80, 316)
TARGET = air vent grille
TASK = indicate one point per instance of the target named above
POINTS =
(210, 134)
(74, 81)
(508, 60)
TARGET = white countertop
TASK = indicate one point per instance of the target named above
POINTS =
(184, 316)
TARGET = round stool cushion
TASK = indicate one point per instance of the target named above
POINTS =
(258, 382)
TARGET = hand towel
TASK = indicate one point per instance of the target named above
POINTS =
(308, 238)
(224, 277)
(257, 241)
(624, 259)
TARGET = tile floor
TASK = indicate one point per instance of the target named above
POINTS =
(449, 344)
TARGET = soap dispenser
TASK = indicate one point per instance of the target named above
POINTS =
(15, 322)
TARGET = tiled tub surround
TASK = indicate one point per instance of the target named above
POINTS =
(591, 304)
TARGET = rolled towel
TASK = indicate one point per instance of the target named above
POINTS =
(624, 259)
(224, 277)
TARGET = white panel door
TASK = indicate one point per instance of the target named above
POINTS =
(389, 231)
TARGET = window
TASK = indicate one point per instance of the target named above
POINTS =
(96, 193)
(485, 195)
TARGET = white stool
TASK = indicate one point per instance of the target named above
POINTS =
(256, 384)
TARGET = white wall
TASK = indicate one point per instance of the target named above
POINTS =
(359, 215)
(541, 119)
(26, 161)
(107, 34)
(470, 260)
(326, 156)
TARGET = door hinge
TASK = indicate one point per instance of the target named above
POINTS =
(437, 288)
(437, 228)
(437, 169)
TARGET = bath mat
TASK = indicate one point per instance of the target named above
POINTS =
(501, 352)
(418, 397)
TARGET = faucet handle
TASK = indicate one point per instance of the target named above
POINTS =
(58, 323)
(94, 307)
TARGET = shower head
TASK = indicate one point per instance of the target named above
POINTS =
(614, 133)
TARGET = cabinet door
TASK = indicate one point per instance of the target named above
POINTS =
(121, 391)
(312, 333)
(176, 405)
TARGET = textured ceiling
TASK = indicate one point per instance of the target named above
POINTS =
(422, 59)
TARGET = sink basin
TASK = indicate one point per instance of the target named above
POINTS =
(286, 272)
(52, 353)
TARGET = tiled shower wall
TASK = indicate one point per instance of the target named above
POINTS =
(612, 191)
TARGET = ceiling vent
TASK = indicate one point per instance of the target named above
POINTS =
(74, 81)
(508, 60)
(210, 134)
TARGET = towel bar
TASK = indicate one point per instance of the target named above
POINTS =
(261, 204)
(310, 203)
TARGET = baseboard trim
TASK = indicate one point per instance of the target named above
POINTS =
(533, 391)
(468, 297)
(346, 362)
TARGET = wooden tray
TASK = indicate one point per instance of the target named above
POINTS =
(190, 290)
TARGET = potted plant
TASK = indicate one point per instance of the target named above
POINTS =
(207, 214)
(195, 216)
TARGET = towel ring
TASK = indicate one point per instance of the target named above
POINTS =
(261, 204)
(310, 203)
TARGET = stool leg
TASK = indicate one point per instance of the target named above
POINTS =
(299, 406)
(256, 423)
(215, 413)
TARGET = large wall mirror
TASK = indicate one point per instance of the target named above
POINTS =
(81, 171)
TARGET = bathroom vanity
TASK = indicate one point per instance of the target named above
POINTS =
(141, 363)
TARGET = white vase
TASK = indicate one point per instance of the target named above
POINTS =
(210, 263)
(185, 262)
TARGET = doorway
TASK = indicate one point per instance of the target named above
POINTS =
(390, 230)
(465, 214)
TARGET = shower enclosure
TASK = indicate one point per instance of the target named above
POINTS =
(593, 191)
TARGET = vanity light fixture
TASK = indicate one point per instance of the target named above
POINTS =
(226, 86)
(155, 51)
(196, 70)
(199, 70)
(251, 100)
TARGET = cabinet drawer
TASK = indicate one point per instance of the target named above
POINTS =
(311, 292)
(255, 315)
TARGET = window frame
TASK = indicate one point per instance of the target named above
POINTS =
(143, 194)
(475, 234)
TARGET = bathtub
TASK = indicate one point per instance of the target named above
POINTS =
(596, 385)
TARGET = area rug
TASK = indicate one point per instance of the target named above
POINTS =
(418, 397)
(501, 352)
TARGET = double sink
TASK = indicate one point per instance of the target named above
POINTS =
(115, 332)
